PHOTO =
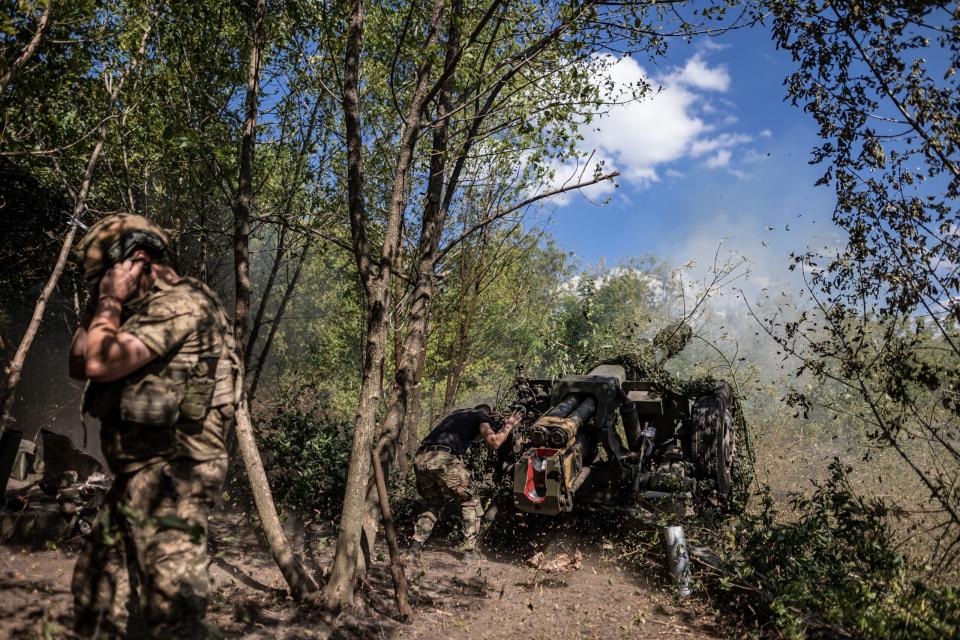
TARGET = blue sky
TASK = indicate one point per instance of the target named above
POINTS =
(717, 153)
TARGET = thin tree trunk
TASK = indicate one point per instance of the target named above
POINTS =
(15, 368)
(340, 593)
(390, 429)
(281, 245)
(297, 578)
(454, 375)
(243, 199)
(340, 587)
(449, 390)
(396, 565)
(460, 351)
(408, 442)
(265, 298)
(275, 323)
(204, 245)
(29, 50)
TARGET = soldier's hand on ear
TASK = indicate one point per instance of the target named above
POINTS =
(121, 280)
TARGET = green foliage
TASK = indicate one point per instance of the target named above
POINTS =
(879, 336)
(831, 566)
(306, 459)
(605, 312)
(503, 273)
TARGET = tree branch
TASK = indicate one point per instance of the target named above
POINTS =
(501, 214)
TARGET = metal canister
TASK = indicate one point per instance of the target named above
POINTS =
(678, 559)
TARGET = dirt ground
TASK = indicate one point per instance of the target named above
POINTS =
(499, 598)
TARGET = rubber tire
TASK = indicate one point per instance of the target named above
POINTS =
(709, 441)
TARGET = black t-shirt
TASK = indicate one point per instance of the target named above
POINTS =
(457, 431)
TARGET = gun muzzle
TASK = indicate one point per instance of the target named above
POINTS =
(558, 427)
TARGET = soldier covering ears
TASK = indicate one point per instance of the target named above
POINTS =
(157, 352)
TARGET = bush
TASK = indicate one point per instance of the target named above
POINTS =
(307, 459)
(833, 569)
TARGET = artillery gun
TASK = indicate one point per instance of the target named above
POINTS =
(568, 452)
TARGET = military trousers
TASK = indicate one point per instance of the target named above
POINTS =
(145, 562)
(441, 477)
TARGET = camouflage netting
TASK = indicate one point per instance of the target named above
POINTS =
(641, 362)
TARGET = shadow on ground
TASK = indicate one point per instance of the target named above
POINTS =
(496, 599)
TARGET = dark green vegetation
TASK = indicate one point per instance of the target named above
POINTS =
(375, 235)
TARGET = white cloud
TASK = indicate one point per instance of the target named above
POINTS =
(679, 120)
(704, 146)
(696, 73)
(719, 159)
(709, 44)
(766, 133)
(640, 135)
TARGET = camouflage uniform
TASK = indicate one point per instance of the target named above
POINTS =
(441, 476)
(167, 478)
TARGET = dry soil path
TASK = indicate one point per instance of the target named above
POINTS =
(499, 598)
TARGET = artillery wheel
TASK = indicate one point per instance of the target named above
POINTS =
(708, 440)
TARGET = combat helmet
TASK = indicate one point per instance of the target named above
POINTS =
(114, 239)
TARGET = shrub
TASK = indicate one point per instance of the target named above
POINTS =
(307, 459)
(832, 569)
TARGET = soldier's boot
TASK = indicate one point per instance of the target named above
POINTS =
(473, 556)
(415, 550)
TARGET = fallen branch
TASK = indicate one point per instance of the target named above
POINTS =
(396, 565)
(293, 572)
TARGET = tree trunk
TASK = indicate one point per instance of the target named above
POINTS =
(408, 441)
(297, 578)
(454, 375)
(29, 50)
(339, 591)
(265, 298)
(340, 588)
(414, 344)
(275, 323)
(15, 368)
(299, 581)
(281, 253)
(470, 289)
(243, 199)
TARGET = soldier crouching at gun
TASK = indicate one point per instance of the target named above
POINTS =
(438, 466)
(156, 349)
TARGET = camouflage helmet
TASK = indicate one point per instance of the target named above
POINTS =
(114, 239)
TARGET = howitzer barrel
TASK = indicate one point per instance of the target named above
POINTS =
(583, 411)
(558, 427)
(564, 407)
